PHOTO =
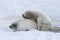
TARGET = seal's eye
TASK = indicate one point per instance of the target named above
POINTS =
(28, 14)
(14, 25)
(10, 26)
(27, 30)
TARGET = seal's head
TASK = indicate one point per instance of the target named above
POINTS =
(12, 26)
(27, 15)
(23, 25)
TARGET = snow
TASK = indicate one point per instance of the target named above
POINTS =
(29, 35)
(11, 10)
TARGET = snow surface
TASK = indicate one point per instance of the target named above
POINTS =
(11, 10)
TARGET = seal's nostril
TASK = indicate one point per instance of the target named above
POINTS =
(10, 26)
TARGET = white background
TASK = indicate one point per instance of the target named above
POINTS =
(10, 10)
